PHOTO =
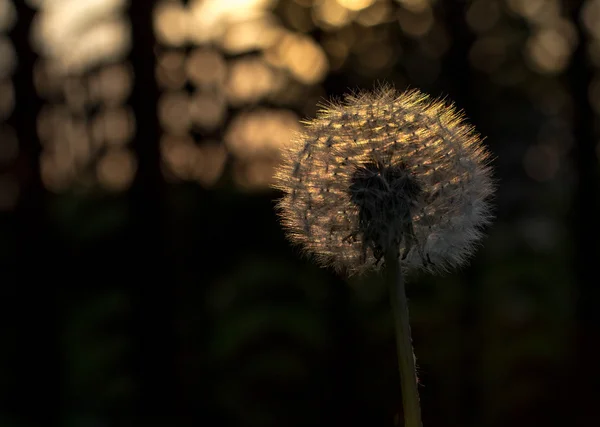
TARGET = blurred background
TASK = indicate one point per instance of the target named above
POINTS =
(145, 280)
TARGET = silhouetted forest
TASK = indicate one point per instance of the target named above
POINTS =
(145, 279)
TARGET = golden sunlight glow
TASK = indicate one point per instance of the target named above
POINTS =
(260, 133)
(251, 80)
(84, 127)
(329, 13)
(210, 18)
(253, 34)
(171, 22)
(79, 34)
(301, 56)
(356, 5)
(235, 25)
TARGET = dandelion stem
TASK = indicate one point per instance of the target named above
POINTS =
(406, 358)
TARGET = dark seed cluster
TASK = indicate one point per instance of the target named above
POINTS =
(384, 196)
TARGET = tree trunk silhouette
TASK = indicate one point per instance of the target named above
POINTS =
(585, 213)
(153, 294)
(36, 362)
(458, 76)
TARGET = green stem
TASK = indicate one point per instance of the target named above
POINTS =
(406, 357)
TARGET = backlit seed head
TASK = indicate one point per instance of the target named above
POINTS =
(382, 172)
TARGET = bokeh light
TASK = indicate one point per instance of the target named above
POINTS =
(206, 67)
(254, 139)
(184, 160)
(251, 80)
(79, 34)
(9, 145)
(216, 58)
(85, 126)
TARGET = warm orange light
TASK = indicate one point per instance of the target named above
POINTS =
(116, 169)
(250, 80)
(208, 109)
(330, 13)
(260, 133)
(174, 111)
(171, 22)
(206, 67)
(302, 56)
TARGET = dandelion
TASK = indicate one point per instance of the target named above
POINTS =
(387, 178)
(386, 170)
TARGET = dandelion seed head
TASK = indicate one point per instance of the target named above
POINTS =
(386, 171)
